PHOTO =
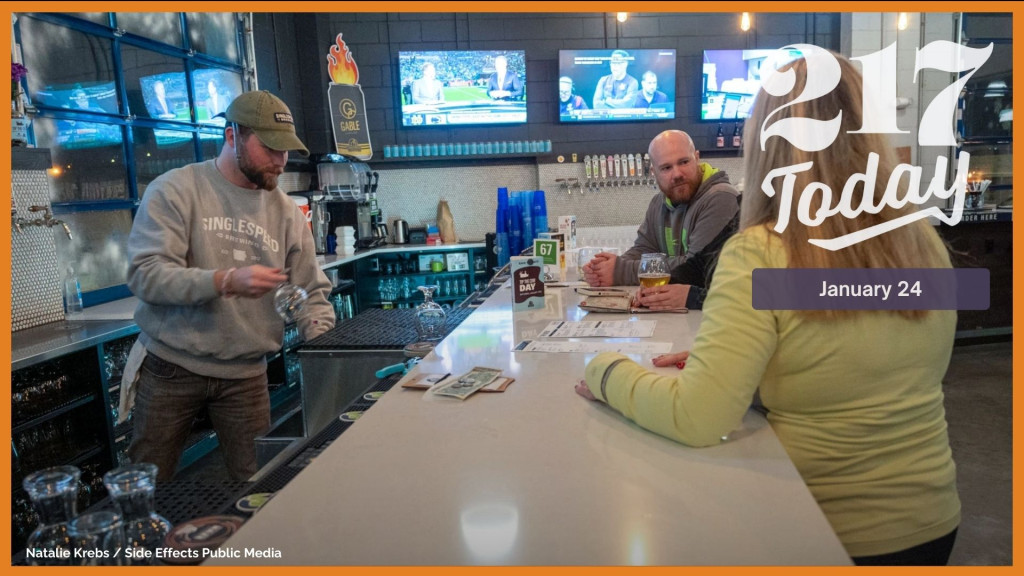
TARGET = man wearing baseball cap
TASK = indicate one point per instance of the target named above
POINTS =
(210, 244)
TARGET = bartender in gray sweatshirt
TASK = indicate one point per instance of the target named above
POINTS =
(210, 244)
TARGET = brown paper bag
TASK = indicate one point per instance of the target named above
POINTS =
(446, 223)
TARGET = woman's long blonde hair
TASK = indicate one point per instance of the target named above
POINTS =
(911, 246)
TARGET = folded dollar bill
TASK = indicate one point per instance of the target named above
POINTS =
(464, 386)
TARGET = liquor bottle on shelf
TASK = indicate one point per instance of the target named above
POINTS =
(720, 138)
(737, 139)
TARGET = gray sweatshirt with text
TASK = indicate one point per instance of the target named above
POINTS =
(192, 222)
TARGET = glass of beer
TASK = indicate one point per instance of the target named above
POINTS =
(653, 270)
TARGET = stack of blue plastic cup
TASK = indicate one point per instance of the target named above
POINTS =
(540, 213)
(526, 210)
(515, 229)
(501, 227)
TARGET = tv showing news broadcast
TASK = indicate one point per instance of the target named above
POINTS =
(462, 87)
(616, 85)
(166, 96)
(214, 90)
(732, 79)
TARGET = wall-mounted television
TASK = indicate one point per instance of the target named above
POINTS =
(166, 96)
(732, 79)
(83, 97)
(214, 90)
(443, 88)
(616, 85)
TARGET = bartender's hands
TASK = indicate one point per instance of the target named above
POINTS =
(255, 281)
(600, 270)
(583, 390)
(667, 297)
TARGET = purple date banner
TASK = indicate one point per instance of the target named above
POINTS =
(870, 289)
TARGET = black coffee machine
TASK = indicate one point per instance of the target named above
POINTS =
(350, 197)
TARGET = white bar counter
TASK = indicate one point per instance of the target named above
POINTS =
(537, 475)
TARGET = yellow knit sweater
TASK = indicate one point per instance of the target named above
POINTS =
(857, 404)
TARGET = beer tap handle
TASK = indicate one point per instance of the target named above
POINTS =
(575, 182)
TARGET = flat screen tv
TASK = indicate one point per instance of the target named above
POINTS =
(480, 87)
(166, 96)
(100, 97)
(81, 97)
(616, 85)
(214, 89)
(732, 79)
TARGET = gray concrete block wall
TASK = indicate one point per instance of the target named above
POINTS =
(376, 39)
(411, 191)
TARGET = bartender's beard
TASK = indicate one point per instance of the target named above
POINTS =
(264, 177)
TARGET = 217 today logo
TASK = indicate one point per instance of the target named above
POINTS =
(879, 104)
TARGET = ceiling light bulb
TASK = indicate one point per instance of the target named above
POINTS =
(745, 21)
(622, 16)
(901, 22)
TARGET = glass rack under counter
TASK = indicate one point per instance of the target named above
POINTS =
(389, 277)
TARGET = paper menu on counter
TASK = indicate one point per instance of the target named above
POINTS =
(599, 329)
(593, 347)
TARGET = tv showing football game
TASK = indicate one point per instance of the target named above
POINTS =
(100, 97)
(616, 85)
(479, 87)
(81, 97)
(732, 79)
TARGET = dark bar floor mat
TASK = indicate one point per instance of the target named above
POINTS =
(378, 329)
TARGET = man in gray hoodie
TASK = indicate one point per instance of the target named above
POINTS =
(210, 244)
(696, 203)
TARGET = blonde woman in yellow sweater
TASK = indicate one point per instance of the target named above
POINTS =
(855, 397)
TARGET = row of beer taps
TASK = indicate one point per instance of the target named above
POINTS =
(611, 171)
(47, 219)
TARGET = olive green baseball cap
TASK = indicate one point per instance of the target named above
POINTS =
(269, 118)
